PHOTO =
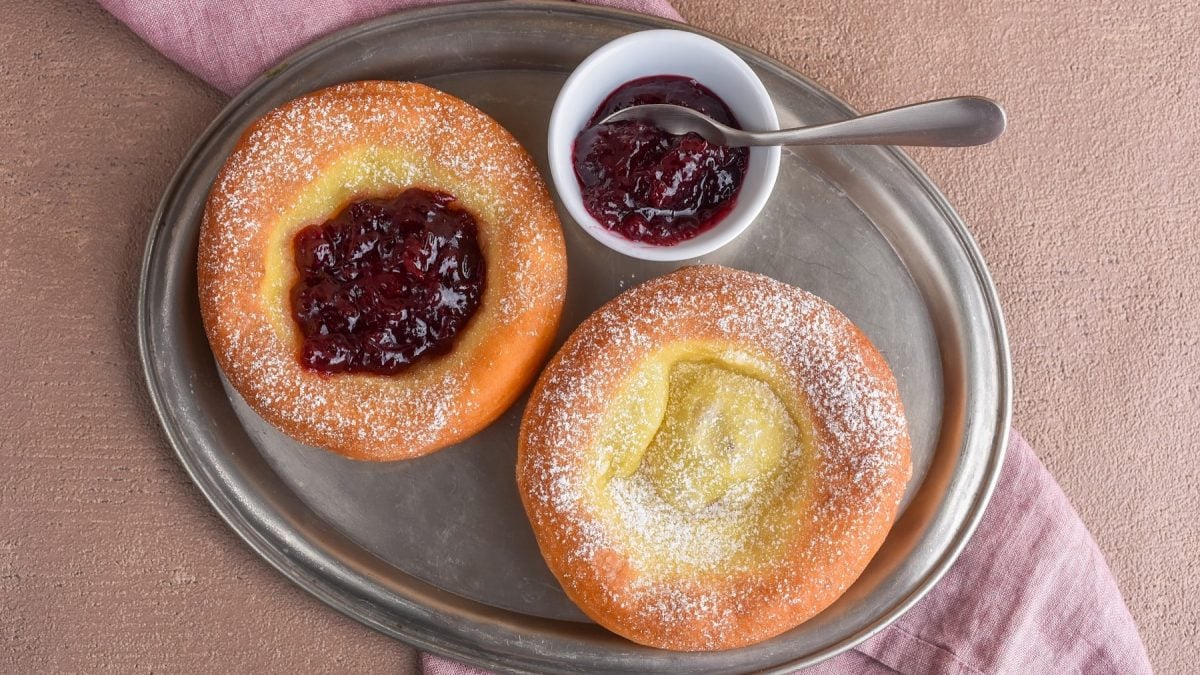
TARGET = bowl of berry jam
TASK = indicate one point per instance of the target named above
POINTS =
(639, 190)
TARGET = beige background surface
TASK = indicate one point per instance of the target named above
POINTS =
(1086, 211)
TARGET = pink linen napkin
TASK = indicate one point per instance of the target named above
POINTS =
(1031, 592)
(227, 43)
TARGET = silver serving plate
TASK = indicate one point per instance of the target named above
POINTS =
(436, 551)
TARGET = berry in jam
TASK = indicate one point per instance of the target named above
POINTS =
(648, 185)
(386, 282)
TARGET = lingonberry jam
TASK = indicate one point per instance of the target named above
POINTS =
(386, 282)
(648, 185)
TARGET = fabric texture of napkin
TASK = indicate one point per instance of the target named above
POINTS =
(1031, 591)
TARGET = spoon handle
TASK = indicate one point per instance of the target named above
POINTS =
(947, 122)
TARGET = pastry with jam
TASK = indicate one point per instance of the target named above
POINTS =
(381, 269)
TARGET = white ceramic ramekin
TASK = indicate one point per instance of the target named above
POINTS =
(664, 52)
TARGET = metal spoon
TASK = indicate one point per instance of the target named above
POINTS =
(947, 122)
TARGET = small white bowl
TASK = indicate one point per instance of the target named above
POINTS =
(664, 52)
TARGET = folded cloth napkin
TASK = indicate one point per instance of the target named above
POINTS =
(1031, 592)
(227, 43)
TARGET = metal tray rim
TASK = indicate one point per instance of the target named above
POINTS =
(432, 641)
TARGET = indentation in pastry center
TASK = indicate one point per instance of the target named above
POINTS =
(358, 173)
(720, 428)
(386, 282)
(702, 460)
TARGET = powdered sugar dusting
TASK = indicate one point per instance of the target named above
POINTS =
(303, 161)
(784, 543)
